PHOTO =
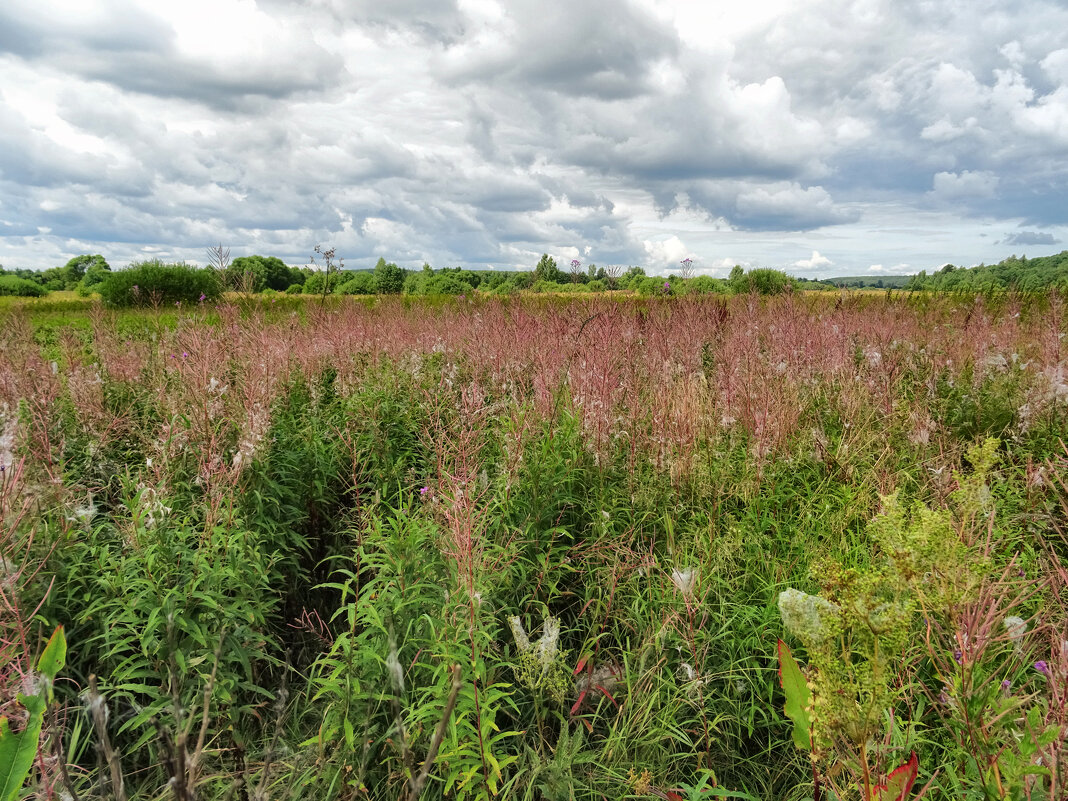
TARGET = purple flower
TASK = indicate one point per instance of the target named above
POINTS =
(422, 492)
(687, 261)
(1042, 667)
(667, 286)
(958, 657)
(185, 354)
(575, 264)
(202, 297)
(1006, 684)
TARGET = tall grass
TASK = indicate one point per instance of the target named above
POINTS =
(518, 548)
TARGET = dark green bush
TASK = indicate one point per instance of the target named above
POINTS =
(20, 287)
(359, 284)
(156, 282)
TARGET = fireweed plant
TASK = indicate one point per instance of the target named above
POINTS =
(538, 548)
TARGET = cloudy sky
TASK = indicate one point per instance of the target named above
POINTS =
(825, 137)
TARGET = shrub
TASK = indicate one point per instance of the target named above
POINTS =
(294, 289)
(359, 284)
(20, 287)
(156, 282)
(447, 284)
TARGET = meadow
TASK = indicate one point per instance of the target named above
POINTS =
(811, 546)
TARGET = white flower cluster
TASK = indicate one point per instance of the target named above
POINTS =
(808, 617)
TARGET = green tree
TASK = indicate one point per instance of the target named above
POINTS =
(257, 273)
(77, 268)
(389, 277)
(546, 270)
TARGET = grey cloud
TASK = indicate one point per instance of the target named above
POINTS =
(766, 207)
(122, 45)
(599, 49)
(1030, 238)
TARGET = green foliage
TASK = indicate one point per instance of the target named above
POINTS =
(20, 287)
(389, 278)
(360, 283)
(798, 698)
(318, 281)
(257, 273)
(1021, 274)
(297, 522)
(18, 749)
(762, 281)
(153, 282)
(546, 270)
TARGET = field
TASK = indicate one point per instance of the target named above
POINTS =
(537, 548)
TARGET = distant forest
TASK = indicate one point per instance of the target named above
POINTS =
(91, 274)
(1023, 274)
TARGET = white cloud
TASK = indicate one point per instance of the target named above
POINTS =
(813, 262)
(666, 253)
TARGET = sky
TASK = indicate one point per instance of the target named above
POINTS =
(823, 137)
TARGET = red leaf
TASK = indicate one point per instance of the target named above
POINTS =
(608, 695)
(899, 783)
(578, 703)
(581, 664)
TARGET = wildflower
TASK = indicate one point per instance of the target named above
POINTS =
(203, 297)
(684, 580)
(185, 354)
(667, 286)
(423, 491)
(1042, 667)
(958, 657)
(1006, 685)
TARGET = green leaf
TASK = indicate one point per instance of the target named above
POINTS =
(54, 656)
(17, 750)
(16, 755)
(798, 697)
